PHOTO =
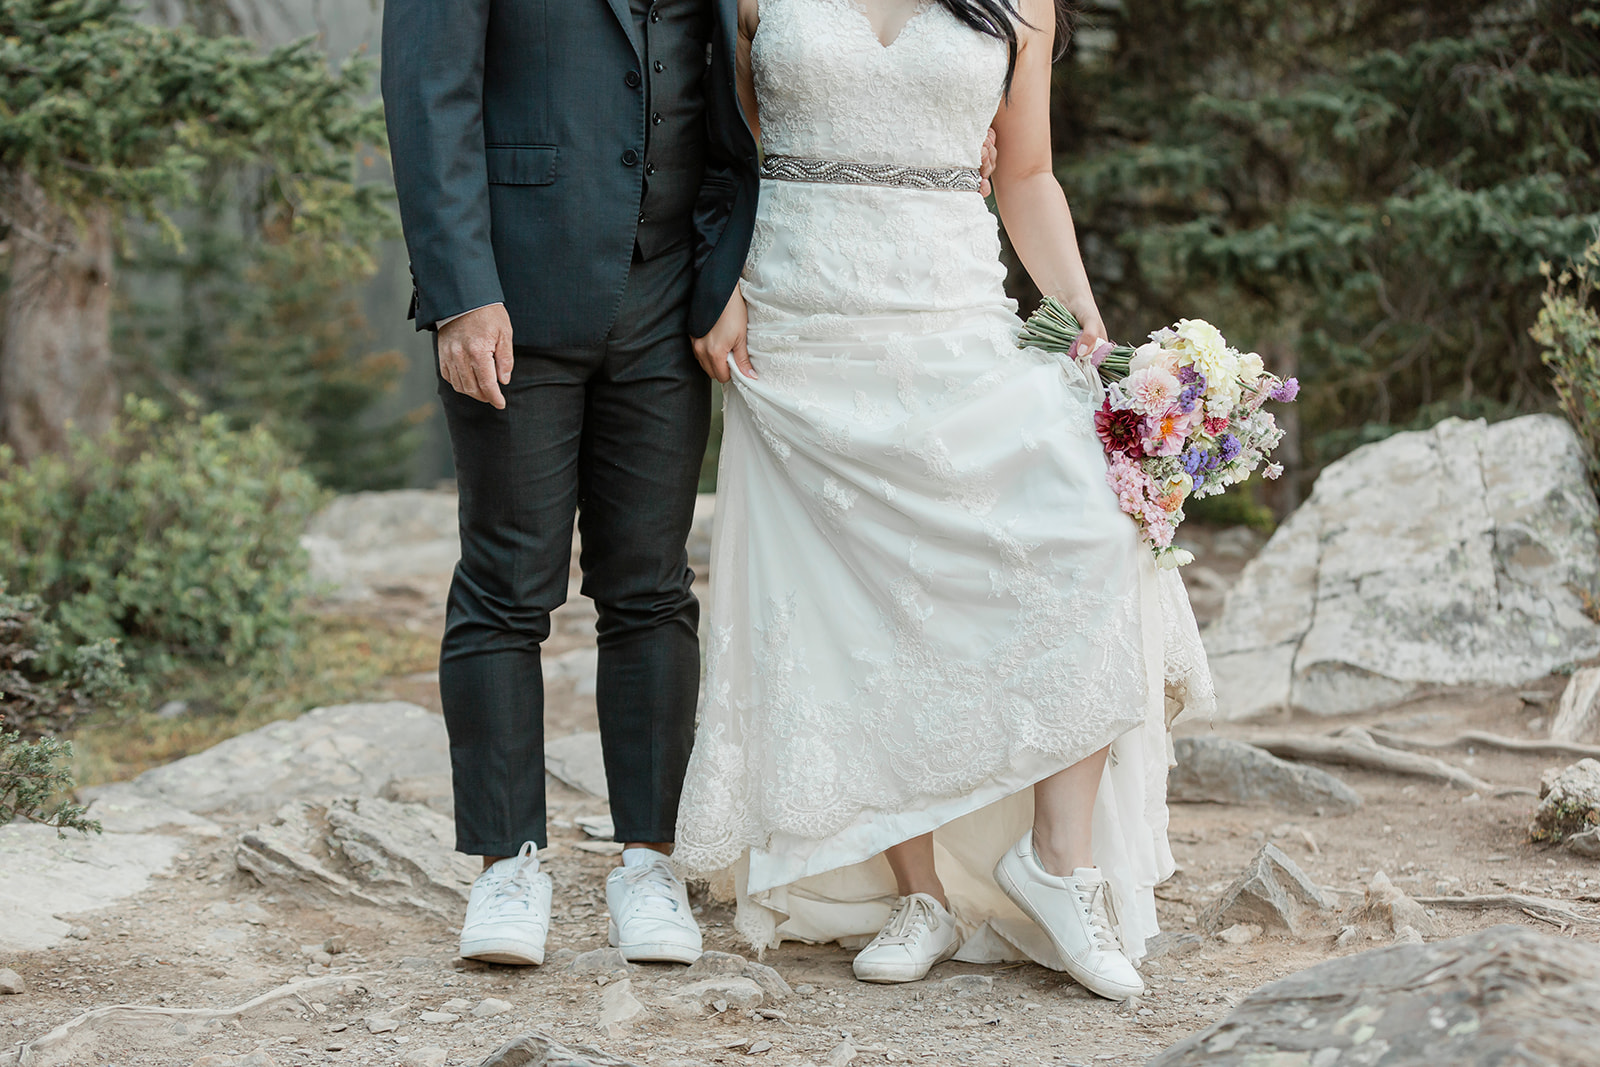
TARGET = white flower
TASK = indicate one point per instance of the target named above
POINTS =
(1173, 558)
(1152, 354)
(1202, 339)
(1251, 367)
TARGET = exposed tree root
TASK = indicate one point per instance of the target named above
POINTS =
(1355, 747)
(1488, 740)
(1537, 907)
(136, 1013)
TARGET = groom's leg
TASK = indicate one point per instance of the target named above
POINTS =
(645, 428)
(517, 473)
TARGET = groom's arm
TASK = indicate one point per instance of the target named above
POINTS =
(432, 80)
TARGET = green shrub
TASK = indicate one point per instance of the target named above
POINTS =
(45, 685)
(171, 535)
(32, 775)
(1569, 331)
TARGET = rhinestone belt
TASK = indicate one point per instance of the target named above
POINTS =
(894, 175)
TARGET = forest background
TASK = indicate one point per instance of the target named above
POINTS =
(1383, 197)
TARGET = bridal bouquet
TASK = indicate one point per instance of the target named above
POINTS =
(1182, 417)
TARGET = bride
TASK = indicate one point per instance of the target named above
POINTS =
(940, 663)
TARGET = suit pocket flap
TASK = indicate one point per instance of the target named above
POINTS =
(521, 164)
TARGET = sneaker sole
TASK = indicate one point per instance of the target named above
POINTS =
(651, 951)
(1092, 982)
(890, 976)
(503, 950)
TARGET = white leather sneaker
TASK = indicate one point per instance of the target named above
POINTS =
(919, 934)
(508, 911)
(650, 916)
(1076, 913)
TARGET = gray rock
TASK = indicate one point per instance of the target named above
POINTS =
(1569, 801)
(540, 1050)
(361, 849)
(969, 985)
(438, 1018)
(576, 760)
(489, 1007)
(1388, 905)
(1578, 714)
(730, 991)
(770, 981)
(381, 1024)
(712, 962)
(1273, 893)
(43, 875)
(619, 1008)
(1506, 995)
(1172, 945)
(1585, 843)
(1239, 934)
(11, 983)
(255, 1058)
(1448, 556)
(427, 1056)
(1220, 770)
(599, 961)
(346, 750)
(365, 543)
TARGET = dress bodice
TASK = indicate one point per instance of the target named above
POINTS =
(827, 88)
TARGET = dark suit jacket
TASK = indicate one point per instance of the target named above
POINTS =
(517, 131)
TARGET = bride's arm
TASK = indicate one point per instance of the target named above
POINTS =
(1032, 205)
(749, 17)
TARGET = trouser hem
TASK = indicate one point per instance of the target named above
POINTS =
(498, 848)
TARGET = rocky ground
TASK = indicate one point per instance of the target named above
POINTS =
(230, 970)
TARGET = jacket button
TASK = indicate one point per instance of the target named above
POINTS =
(630, 158)
(632, 79)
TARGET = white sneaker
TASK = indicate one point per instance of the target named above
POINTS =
(1076, 913)
(508, 911)
(650, 916)
(919, 934)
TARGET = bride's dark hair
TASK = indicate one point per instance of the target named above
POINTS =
(999, 18)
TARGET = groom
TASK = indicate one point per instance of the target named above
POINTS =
(578, 187)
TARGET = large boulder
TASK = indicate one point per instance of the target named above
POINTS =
(1220, 770)
(348, 749)
(1506, 995)
(1450, 556)
(361, 849)
(404, 540)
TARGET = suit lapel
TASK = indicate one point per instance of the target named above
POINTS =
(624, 15)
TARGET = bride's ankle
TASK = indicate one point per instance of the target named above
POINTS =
(932, 889)
(1061, 858)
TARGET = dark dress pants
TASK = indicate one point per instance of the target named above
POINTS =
(615, 434)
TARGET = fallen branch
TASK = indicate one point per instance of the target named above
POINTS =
(135, 1013)
(1539, 908)
(1488, 740)
(1355, 747)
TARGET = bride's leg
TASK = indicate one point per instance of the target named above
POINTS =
(1063, 815)
(912, 863)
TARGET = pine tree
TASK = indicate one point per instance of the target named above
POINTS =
(103, 119)
(1363, 191)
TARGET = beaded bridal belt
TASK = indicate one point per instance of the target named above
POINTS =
(893, 175)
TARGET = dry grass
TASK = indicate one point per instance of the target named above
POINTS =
(341, 659)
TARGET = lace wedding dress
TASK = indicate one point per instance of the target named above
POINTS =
(924, 597)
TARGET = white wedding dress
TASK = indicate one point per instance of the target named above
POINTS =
(924, 597)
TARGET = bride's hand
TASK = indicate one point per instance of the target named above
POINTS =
(727, 338)
(1094, 330)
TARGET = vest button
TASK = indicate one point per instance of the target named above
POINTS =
(632, 79)
(658, 66)
(630, 158)
(649, 168)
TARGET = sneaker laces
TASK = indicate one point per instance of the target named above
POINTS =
(1098, 910)
(516, 885)
(655, 888)
(910, 918)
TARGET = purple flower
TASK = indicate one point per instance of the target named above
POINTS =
(1287, 390)
(1193, 460)
(1199, 480)
(1229, 448)
(1190, 396)
(1189, 374)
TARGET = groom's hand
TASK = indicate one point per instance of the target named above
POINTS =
(475, 353)
(727, 338)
